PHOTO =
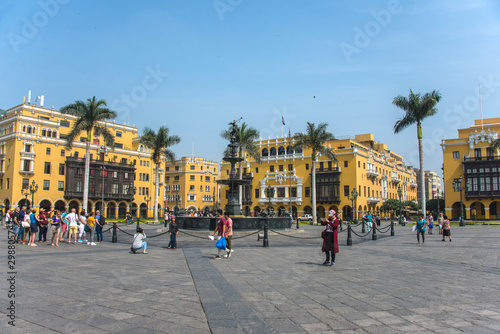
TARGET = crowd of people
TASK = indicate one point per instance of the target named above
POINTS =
(76, 228)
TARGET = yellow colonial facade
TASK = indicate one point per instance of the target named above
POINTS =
(470, 159)
(191, 183)
(33, 154)
(363, 164)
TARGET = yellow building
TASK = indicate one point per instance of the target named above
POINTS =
(363, 164)
(191, 184)
(469, 159)
(32, 149)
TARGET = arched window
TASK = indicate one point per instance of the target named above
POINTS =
(44, 132)
(29, 129)
(273, 151)
(281, 150)
(24, 128)
(54, 134)
(49, 133)
(34, 130)
(265, 152)
(289, 150)
(298, 150)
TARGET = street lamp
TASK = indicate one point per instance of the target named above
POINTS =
(215, 209)
(269, 193)
(33, 190)
(354, 196)
(400, 194)
(457, 186)
(103, 169)
(25, 192)
(147, 199)
(131, 193)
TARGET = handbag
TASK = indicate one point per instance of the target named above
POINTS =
(221, 243)
(86, 229)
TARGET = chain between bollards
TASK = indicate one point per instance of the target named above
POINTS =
(114, 238)
(349, 237)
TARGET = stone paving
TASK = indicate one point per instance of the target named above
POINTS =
(391, 285)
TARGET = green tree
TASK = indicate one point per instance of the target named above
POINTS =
(90, 116)
(315, 139)
(432, 205)
(159, 143)
(496, 144)
(390, 205)
(411, 205)
(417, 107)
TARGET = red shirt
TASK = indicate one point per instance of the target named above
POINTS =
(220, 226)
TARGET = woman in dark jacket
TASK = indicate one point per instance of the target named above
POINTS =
(330, 238)
(173, 234)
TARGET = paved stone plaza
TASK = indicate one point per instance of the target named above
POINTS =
(390, 285)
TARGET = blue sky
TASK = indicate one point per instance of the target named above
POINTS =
(197, 65)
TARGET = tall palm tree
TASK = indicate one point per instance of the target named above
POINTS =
(245, 138)
(315, 138)
(90, 116)
(417, 107)
(159, 142)
(496, 144)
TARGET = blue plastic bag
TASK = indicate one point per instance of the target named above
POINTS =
(221, 243)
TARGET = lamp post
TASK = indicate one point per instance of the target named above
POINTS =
(400, 194)
(213, 198)
(103, 170)
(25, 192)
(33, 190)
(457, 185)
(147, 199)
(354, 196)
(269, 193)
(131, 193)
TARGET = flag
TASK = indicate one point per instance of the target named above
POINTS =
(282, 120)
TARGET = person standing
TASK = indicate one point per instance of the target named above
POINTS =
(229, 234)
(64, 225)
(369, 219)
(34, 221)
(73, 225)
(55, 227)
(8, 219)
(44, 225)
(330, 240)
(15, 224)
(446, 228)
(139, 242)
(431, 223)
(21, 236)
(421, 228)
(82, 222)
(91, 228)
(440, 222)
(220, 230)
(99, 224)
(174, 229)
(165, 217)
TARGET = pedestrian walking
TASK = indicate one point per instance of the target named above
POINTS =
(446, 228)
(8, 219)
(369, 218)
(139, 242)
(431, 224)
(440, 222)
(220, 230)
(173, 230)
(34, 221)
(229, 234)
(330, 238)
(421, 223)
(16, 224)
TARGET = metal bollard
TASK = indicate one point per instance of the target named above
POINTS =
(363, 228)
(114, 238)
(392, 228)
(349, 237)
(137, 228)
(374, 232)
(265, 241)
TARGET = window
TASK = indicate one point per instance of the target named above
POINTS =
(280, 167)
(46, 184)
(271, 168)
(191, 178)
(27, 148)
(201, 178)
(64, 124)
(191, 187)
(61, 169)
(207, 178)
(293, 192)
(191, 197)
(46, 168)
(307, 191)
(115, 174)
(345, 163)
(364, 166)
(265, 152)
(201, 188)
(191, 167)
(47, 151)
(167, 188)
(256, 169)
(359, 164)
(256, 193)
(78, 186)
(207, 188)
(8, 183)
(26, 165)
(118, 145)
(76, 155)
(118, 134)
(176, 167)
(124, 161)
(176, 178)
(273, 151)
(290, 167)
(167, 178)
(26, 183)
(63, 153)
(167, 169)
(456, 155)
(60, 186)
(125, 175)
(307, 166)
(1, 184)
(346, 191)
(115, 188)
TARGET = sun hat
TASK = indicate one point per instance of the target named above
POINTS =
(331, 213)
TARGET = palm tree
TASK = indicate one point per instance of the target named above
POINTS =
(496, 144)
(159, 143)
(315, 139)
(90, 116)
(245, 138)
(417, 107)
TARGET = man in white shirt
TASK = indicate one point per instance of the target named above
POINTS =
(72, 218)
